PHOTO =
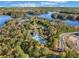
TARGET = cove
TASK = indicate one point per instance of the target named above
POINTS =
(72, 23)
(3, 19)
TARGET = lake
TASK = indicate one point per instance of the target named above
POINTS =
(48, 17)
(72, 23)
(3, 19)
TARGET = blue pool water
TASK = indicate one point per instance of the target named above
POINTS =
(38, 38)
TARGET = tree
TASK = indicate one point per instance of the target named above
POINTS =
(45, 52)
(30, 50)
(36, 52)
(62, 54)
(21, 52)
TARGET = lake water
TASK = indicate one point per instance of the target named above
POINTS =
(72, 23)
(3, 19)
(48, 17)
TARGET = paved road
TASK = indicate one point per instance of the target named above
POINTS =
(62, 38)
